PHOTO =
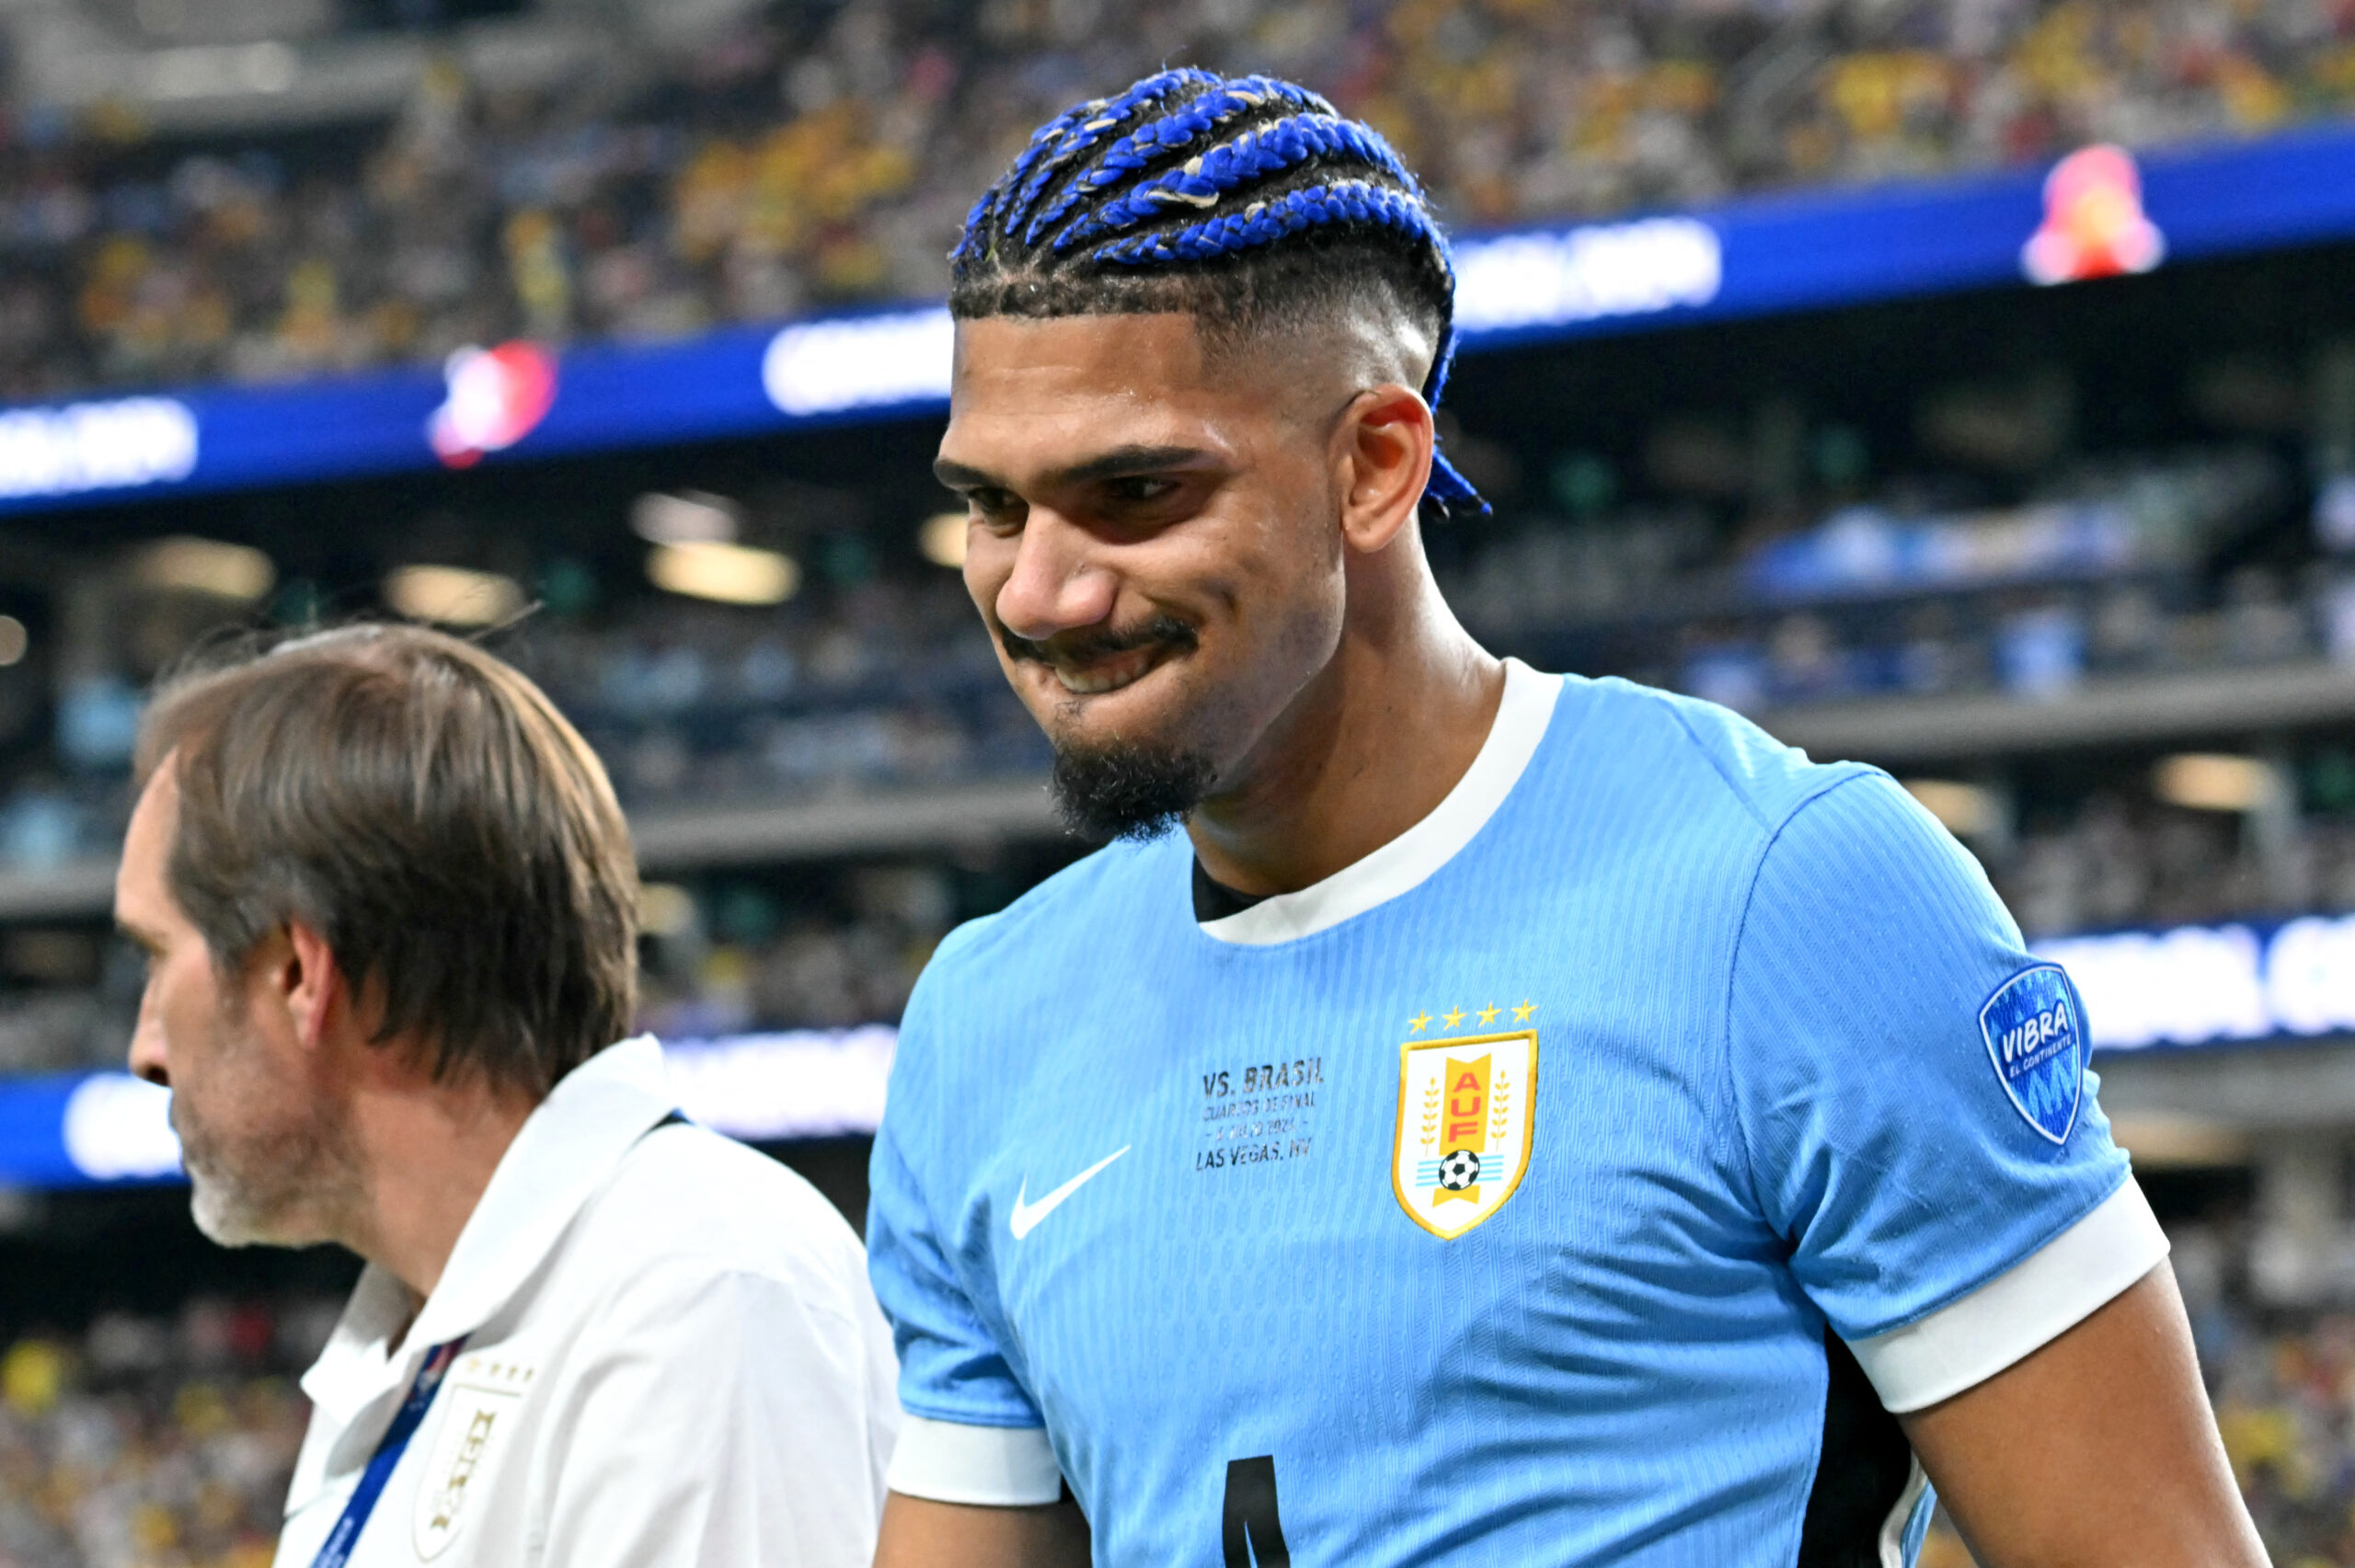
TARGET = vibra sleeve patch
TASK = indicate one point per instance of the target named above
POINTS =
(2035, 1031)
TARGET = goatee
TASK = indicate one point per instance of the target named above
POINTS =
(1129, 790)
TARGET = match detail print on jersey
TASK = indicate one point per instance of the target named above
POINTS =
(1464, 1123)
(2035, 1035)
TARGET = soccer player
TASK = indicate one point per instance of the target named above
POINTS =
(389, 909)
(1521, 1119)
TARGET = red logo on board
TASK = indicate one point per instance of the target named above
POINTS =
(496, 397)
(2093, 223)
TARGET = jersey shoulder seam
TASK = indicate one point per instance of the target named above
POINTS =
(1769, 822)
(1693, 738)
(1759, 857)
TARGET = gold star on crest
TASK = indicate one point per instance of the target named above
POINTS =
(1521, 1014)
(1420, 1022)
(1488, 1015)
(1453, 1017)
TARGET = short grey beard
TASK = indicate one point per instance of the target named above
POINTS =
(1129, 790)
(293, 1189)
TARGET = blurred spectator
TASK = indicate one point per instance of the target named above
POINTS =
(2117, 861)
(744, 957)
(2098, 571)
(149, 1444)
(819, 154)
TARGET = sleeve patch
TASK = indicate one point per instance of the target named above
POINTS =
(2034, 1026)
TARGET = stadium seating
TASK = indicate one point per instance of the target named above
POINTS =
(812, 156)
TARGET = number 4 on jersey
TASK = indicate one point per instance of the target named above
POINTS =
(1252, 1530)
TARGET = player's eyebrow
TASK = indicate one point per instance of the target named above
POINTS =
(1120, 461)
(139, 935)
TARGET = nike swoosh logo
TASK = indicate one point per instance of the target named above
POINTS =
(1026, 1216)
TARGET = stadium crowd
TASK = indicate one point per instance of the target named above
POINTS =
(2285, 1403)
(149, 1443)
(731, 956)
(815, 154)
(834, 947)
(2114, 858)
(885, 676)
(889, 679)
(894, 682)
(882, 678)
(1916, 588)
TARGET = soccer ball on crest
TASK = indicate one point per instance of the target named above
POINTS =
(1459, 1170)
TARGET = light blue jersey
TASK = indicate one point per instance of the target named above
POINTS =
(1581, 1178)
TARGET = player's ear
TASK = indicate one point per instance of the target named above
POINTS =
(1383, 458)
(301, 975)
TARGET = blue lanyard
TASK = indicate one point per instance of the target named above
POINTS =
(345, 1534)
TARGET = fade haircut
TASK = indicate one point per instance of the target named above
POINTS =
(425, 808)
(1245, 202)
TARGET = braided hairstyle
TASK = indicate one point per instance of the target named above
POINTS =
(1243, 201)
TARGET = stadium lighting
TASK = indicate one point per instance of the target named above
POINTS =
(730, 574)
(1963, 808)
(187, 564)
(117, 1128)
(694, 517)
(453, 596)
(942, 540)
(209, 71)
(14, 640)
(2167, 1140)
(1588, 273)
(110, 1127)
(867, 361)
(2207, 780)
(665, 908)
(120, 443)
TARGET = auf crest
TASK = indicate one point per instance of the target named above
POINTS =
(1465, 1117)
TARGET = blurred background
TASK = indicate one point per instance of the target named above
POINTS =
(1963, 385)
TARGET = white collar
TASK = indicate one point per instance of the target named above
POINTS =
(1408, 860)
(563, 1153)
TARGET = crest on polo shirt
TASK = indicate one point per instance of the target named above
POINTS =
(1465, 1107)
(473, 1426)
(2035, 1030)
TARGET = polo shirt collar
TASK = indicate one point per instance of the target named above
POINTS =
(565, 1152)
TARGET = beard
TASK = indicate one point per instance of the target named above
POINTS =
(1125, 789)
(284, 1179)
(1129, 790)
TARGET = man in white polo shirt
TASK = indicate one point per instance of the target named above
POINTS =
(388, 904)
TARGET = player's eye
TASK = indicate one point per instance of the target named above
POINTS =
(994, 505)
(1140, 490)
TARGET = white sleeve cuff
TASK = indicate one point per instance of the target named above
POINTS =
(998, 1467)
(2052, 1290)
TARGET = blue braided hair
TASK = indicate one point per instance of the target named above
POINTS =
(1241, 200)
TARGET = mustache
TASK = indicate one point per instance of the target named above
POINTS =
(1081, 647)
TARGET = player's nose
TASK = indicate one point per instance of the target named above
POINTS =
(1055, 585)
(147, 1056)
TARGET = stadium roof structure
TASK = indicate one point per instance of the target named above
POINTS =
(2098, 213)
